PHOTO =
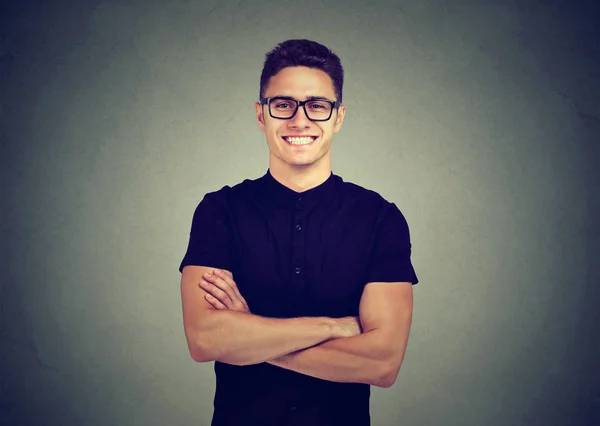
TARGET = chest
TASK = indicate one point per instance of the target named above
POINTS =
(303, 263)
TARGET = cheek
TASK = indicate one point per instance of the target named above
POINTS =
(272, 135)
(272, 129)
(327, 131)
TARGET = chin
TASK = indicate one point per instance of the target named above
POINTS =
(299, 164)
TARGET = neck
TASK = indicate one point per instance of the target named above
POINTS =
(300, 178)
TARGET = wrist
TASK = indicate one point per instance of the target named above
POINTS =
(334, 328)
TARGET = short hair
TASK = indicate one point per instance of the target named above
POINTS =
(302, 53)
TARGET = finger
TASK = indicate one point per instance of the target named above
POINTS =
(232, 304)
(224, 280)
(216, 292)
(220, 283)
(232, 289)
(215, 303)
(224, 271)
(225, 276)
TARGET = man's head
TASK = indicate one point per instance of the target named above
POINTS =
(299, 134)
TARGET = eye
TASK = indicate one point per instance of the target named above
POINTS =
(282, 104)
(318, 105)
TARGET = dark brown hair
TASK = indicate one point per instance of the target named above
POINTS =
(303, 53)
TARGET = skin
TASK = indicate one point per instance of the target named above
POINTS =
(300, 167)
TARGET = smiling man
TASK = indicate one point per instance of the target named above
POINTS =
(297, 284)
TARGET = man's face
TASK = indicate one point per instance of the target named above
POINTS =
(299, 83)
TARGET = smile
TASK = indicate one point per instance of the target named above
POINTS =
(299, 140)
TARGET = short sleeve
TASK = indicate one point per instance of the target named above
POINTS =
(391, 255)
(209, 243)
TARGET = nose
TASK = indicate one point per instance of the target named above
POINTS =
(299, 120)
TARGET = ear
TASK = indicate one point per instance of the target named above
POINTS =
(260, 117)
(341, 113)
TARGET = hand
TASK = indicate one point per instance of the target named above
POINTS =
(223, 293)
(347, 327)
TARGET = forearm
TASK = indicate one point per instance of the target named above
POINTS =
(243, 339)
(359, 359)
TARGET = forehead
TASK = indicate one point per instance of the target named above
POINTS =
(300, 83)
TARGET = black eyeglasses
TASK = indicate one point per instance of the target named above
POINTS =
(284, 107)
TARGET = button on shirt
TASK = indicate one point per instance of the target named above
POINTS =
(293, 255)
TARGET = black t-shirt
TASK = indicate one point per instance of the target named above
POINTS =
(297, 254)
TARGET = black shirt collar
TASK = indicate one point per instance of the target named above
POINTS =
(283, 196)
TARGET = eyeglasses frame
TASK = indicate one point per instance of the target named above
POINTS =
(334, 104)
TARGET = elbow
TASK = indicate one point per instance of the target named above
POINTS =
(199, 355)
(205, 346)
(390, 362)
(386, 381)
(202, 350)
(198, 347)
(388, 375)
(200, 340)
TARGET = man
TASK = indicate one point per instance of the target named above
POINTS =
(298, 284)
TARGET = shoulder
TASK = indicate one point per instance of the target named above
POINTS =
(362, 197)
(228, 194)
(370, 202)
(356, 191)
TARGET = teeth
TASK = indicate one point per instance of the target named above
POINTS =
(300, 140)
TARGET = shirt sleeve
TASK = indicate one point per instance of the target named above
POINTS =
(209, 243)
(390, 257)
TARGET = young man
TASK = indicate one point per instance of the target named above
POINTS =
(298, 284)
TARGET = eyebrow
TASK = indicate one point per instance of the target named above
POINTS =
(308, 98)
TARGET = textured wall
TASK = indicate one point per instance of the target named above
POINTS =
(480, 120)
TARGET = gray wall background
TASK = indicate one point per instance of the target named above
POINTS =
(480, 120)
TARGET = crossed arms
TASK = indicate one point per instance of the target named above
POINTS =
(368, 349)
